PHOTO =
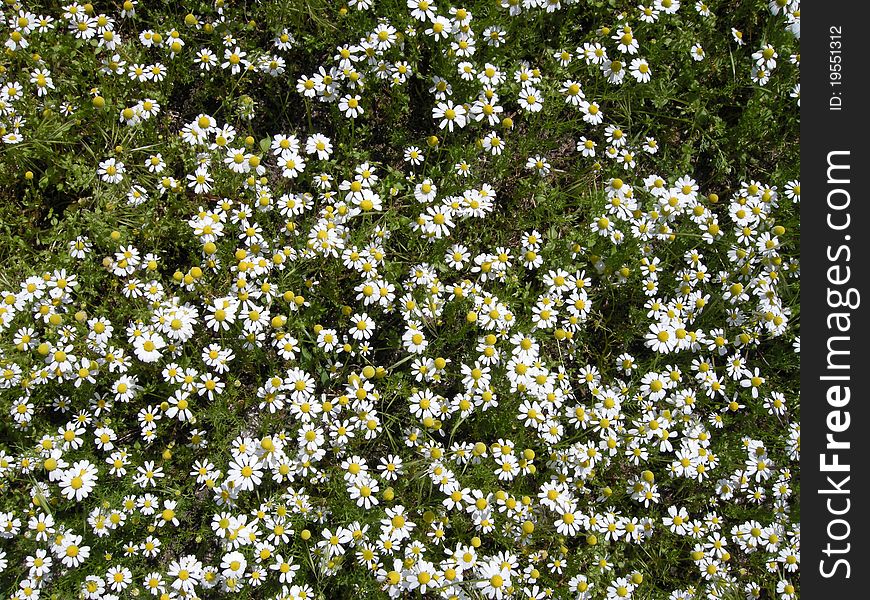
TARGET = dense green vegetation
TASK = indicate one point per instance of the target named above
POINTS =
(312, 300)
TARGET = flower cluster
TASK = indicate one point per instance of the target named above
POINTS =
(489, 364)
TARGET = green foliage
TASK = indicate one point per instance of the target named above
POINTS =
(576, 256)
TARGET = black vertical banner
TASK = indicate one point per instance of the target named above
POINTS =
(834, 271)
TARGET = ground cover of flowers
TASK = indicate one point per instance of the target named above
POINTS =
(399, 299)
